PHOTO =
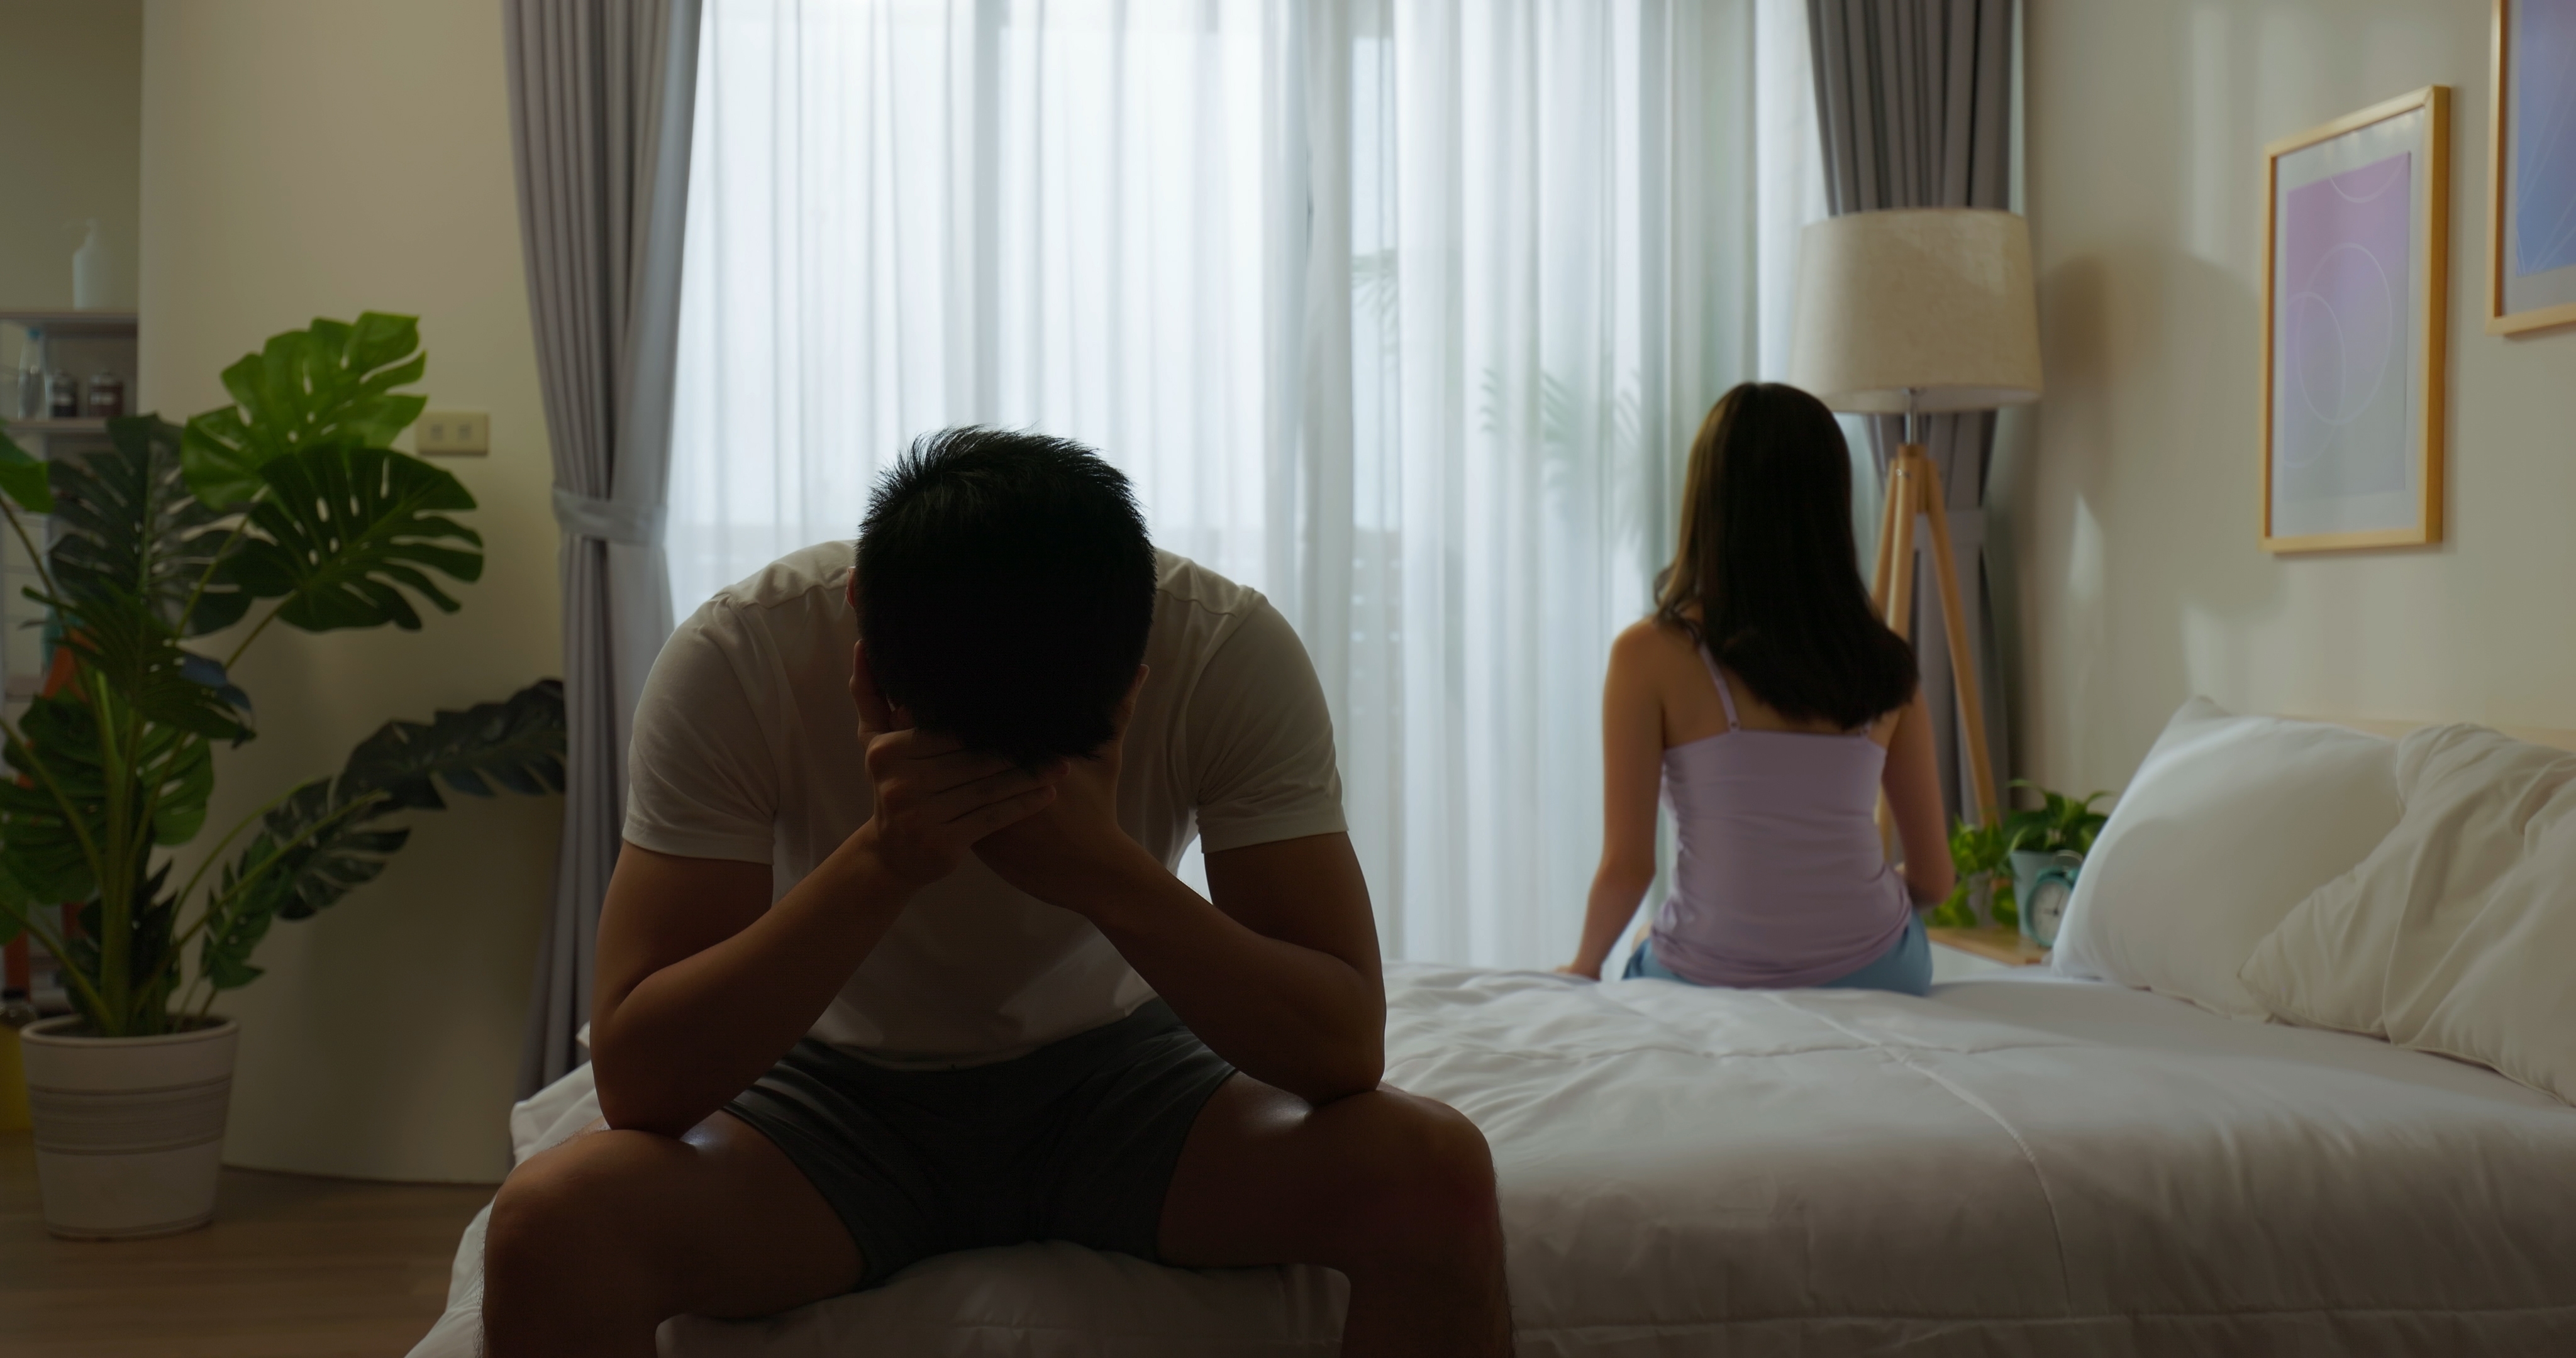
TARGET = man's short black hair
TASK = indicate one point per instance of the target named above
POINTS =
(1006, 585)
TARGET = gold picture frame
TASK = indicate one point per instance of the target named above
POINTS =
(2332, 478)
(2500, 200)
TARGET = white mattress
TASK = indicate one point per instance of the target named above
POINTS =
(2016, 1165)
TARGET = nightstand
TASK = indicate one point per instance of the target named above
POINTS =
(1961, 953)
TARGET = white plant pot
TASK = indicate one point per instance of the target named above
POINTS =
(129, 1130)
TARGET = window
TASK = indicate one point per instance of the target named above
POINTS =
(1402, 313)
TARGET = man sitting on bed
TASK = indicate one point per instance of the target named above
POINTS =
(881, 984)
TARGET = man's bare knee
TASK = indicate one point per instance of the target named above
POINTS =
(576, 1214)
(1423, 1190)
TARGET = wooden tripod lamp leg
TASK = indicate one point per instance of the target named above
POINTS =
(1882, 573)
(1905, 500)
(1954, 625)
(1881, 569)
(1892, 585)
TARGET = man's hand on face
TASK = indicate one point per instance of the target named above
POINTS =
(935, 798)
(1076, 841)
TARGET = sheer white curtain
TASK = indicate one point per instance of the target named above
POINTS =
(1403, 311)
(918, 213)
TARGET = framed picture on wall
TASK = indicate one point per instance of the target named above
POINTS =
(2531, 180)
(2356, 254)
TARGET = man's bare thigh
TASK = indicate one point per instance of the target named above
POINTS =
(1266, 1178)
(732, 1227)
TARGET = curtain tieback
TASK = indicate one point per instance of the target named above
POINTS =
(608, 521)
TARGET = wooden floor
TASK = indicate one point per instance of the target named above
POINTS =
(293, 1267)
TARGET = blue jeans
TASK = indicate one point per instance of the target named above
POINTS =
(1906, 966)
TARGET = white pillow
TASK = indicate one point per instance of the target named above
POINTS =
(2456, 934)
(2228, 825)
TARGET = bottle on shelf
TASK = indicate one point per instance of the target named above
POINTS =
(106, 396)
(27, 392)
(62, 395)
(95, 283)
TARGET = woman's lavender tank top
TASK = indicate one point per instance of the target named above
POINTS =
(1781, 879)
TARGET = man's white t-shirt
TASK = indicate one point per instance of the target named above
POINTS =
(746, 747)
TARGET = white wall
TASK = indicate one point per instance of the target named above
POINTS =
(71, 78)
(307, 158)
(2134, 501)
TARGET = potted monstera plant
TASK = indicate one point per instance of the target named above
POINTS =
(171, 552)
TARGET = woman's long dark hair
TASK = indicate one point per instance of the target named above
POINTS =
(1766, 574)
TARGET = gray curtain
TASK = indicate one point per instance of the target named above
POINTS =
(1914, 100)
(600, 101)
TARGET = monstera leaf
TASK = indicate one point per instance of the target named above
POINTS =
(56, 760)
(124, 519)
(121, 642)
(183, 767)
(517, 744)
(153, 918)
(40, 850)
(331, 383)
(311, 850)
(22, 477)
(17, 901)
(223, 957)
(326, 839)
(344, 531)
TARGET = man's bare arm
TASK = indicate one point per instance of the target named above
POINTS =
(702, 985)
(1309, 1001)
(1279, 975)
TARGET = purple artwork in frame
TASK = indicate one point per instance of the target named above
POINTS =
(2531, 271)
(2544, 141)
(2340, 416)
(2356, 250)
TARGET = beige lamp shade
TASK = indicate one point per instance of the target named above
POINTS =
(1933, 299)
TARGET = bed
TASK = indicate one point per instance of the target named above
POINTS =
(2018, 1164)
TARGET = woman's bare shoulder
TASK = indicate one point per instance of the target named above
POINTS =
(1654, 657)
(1884, 727)
(1650, 639)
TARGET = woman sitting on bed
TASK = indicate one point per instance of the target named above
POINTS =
(1771, 706)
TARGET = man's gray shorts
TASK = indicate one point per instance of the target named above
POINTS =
(1074, 1141)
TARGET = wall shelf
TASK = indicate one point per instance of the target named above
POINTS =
(24, 428)
(68, 324)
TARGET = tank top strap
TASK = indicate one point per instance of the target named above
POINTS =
(1725, 694)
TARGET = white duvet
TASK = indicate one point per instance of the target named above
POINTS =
(2013, 1166)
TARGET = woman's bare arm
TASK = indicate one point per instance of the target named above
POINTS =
(1913, 784)
(1632, 754)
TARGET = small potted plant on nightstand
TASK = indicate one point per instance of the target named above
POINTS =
(2025, 864)
(286, 504)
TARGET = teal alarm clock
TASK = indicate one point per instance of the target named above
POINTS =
(2042, 885)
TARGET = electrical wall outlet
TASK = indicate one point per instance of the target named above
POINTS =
(453, 433)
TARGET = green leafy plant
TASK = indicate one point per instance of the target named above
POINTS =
(1983, 853)
(286, 499)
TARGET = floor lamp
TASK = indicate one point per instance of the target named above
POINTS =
(1912, 312)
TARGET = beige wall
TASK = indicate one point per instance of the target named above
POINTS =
(71, 89)
(2134, 500)
(308, 158)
